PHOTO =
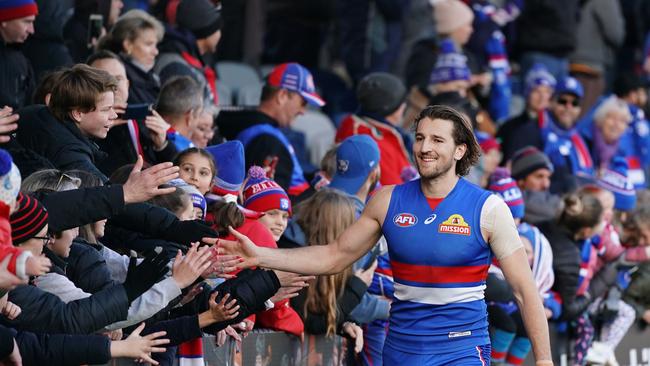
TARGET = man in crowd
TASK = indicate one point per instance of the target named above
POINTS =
(381, 109)
(129, 138)
(285, 95)
(16, 74)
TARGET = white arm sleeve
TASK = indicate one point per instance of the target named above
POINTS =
(497, 221)
(149, 303)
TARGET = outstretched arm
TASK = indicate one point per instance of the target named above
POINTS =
(355, 241)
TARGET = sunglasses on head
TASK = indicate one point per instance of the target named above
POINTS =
(566, 101)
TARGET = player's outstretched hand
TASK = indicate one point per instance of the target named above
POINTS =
(242, 247)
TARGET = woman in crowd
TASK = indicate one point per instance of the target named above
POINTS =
(135, 37)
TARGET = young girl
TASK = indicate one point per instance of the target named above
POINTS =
(327, 303)
(224, 212)
(197, 168)
(264, 195)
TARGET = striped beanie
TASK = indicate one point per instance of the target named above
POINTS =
(16, 9)
(505, 187)
(28, 220)
(616, 180)
(262, 194)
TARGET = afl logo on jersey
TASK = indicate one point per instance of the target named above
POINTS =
(405, 220)
(455, 224)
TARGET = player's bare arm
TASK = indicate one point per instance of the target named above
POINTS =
(319, 259)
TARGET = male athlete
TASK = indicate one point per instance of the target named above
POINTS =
(442, 232)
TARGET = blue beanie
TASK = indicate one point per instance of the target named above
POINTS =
(538, 75)
(615, 179)
(450, 65)
(231, 169)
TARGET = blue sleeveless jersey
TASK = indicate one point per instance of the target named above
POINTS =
(440, 262)
(298, 183)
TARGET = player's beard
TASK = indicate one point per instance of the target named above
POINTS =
(436, 172)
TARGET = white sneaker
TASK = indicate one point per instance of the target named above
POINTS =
(598, 354)
(611, 361)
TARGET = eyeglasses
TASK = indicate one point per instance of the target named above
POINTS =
(566, 102)
(46, 239)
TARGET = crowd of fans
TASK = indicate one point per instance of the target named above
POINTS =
(121, 156)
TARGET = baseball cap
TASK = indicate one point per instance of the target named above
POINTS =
(569, 85)
(356, 157)
(294, 77)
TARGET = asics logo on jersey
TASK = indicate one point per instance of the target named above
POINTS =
(430, 219)
(455, 224)
(405, 220)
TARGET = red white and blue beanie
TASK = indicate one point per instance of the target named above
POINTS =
(231, 168)
(616, 180)
(263, 194)
(9, 182)
(505, 187)
(16, 9)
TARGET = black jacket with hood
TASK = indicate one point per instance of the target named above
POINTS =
(46, 49)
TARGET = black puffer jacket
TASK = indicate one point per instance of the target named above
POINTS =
(43, 312)
(62, 349)
(87, 268)
(78, 207)
(61, 142)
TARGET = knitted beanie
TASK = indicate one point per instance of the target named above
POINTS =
(528, 160)
(16, 9)
(450, 15)
(451, 65)
(505, 187)
(9, 182)
(262, 194)
(487, 142)
(200, 17)
(538, 75)
(380, 93)
(198, 200)
(28, 220)
(231, 170)
(616, 180)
